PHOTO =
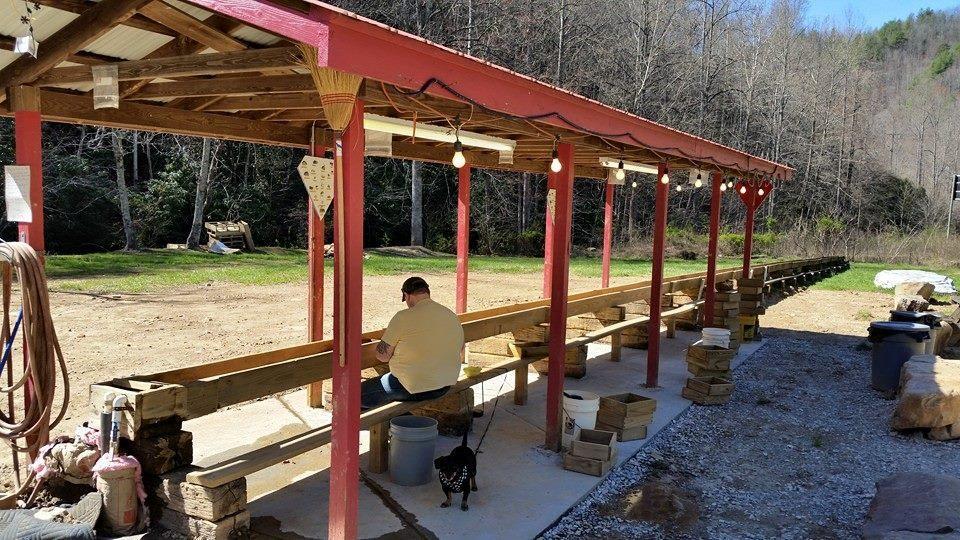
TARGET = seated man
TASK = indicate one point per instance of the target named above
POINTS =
(422, 344)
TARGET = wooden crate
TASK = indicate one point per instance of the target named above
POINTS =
(595, 444)
(594, 467)
(575, 363)
(731, 296)
(710, 386)
(632, 433)
(626, 410)
(701, 399)
(705, 353)
(749, 283)
(699, 371)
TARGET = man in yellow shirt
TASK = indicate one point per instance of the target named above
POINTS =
(422, 344)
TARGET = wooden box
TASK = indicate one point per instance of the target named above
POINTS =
(631, 433)
(626, 410)
(707, 353)
(595, 444)
(749, 282)
(701, 399)
(732, 296)
(699, 371)
(710, 386)
(594, 467)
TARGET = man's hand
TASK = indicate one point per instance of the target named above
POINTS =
(385, 351)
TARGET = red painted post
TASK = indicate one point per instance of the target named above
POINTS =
(463, 237)
(348, 294)
(548, 235)
(558, 293)
(748, 227)
(315, 254)
(25, 103)
(607, 236)
(656, 277)
(711, 284)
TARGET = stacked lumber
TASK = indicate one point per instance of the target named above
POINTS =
(592, 452)
(595, 321)
(201, 512)
(233, 234)
(708, 390)
(751, 296)
(532, 342)
(709, 360)
(726, 314)
(635, 337)
(627, 415)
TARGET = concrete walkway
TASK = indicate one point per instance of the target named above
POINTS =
(522, 488)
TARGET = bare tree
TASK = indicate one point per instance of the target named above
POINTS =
(200, 201)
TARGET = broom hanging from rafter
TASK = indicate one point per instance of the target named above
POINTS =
(338, 95)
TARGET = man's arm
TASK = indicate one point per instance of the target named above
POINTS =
(385, 351)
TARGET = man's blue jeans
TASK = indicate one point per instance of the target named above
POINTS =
(385, 389)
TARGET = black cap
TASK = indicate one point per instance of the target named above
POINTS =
(414, 285)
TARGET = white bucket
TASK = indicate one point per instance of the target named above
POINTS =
(578, 413)
(716, 337)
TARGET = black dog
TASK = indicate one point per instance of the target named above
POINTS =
(458, 473)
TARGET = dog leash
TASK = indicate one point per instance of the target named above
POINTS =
(483, 407)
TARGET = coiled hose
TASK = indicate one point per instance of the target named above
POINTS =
(44, 359)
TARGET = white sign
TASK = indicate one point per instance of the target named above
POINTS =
(317, 176)
(16, 192)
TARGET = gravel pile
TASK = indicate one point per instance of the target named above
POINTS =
(795, 454)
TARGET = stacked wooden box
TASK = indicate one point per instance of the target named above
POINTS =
(708, 390)
(709, 361)
(726, 314)
(200, 512)
(627, 415)
(530, 342)
(751, 306)
(592, 452)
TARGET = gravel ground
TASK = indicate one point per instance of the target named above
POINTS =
(794, 454)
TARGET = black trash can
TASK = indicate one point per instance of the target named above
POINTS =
(929, 318)
(894, 343)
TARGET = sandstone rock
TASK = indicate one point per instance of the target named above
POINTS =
(929, 395)
(946, 433)
(914, 505)
(910, 303)
(914, 288)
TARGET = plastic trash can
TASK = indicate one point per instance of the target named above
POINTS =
(929, 318)
(894, 343)
(579, 412)
(413, 441)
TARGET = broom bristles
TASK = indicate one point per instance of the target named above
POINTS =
(338, 90)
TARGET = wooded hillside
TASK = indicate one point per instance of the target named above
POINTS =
(868, 120)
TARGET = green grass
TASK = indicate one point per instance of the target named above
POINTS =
(860, 276)
(159, 269)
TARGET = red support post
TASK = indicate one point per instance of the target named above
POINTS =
(25, 104)
(559, 274)
(548, 235)
(656, 277)
(711, 284)
(607, 236)
(348, 295)
(463, 237)
(748, 228)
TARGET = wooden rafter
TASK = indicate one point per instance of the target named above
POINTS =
(82, 57)
(135, 21)
(190, 27)
(185, 66)
(75, 35)
(225, 87)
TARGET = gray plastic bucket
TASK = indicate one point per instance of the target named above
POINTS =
(893, 344)
(413, 441)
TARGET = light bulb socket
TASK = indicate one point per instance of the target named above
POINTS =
(457, 146)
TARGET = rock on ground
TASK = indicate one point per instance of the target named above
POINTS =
(911, 504)
(929, 395)
(917, 288)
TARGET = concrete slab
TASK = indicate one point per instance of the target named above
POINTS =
(522, 488)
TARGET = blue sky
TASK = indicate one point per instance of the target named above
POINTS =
(870, 13)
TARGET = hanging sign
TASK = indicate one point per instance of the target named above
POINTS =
(25, 45)
(317, 176)
(106, 86)
(16, 192)
(552, 203)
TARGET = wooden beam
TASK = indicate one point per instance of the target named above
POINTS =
(63, 107)
(78, 33)
(226, 87)
(482, 160)
(267, 103)
(185, 66)
(185, 24)
(82, 57)
(135, 21)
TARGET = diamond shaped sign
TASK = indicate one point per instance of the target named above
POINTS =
(317, 176)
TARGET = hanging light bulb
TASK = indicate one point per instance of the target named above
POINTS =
(679, 187)
(730, 184)
(743, 189)
(760, 192)
(723, 187)
(458, 159)
(633, 184)
(555, 165)
(665, 179)
(621, 172)
(698, 182)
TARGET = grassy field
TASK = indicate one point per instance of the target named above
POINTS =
(860, 276)
(158, 269)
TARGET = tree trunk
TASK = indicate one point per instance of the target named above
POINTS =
(200, 201)
(416, 204)
(130, 235)
(136, 157)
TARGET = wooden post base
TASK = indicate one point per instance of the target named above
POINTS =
(520, 385)
(377, 459)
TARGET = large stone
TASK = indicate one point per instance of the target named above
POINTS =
(914, 288)
(914, 505)
(929, 395)
(910, 302)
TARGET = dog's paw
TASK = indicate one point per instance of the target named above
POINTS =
(474, 488)
(464, 506)
(445, 504)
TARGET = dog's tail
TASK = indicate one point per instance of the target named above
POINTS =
(465, 433)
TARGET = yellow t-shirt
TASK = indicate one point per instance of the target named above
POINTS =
(428, 340)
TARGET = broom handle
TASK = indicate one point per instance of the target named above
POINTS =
(339, 210)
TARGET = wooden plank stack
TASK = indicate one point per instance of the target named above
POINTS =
(709, 361)
(627, 415)
(201, 512)
(726, 314)
(593, 452)
(751, 296)
(708, 390)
